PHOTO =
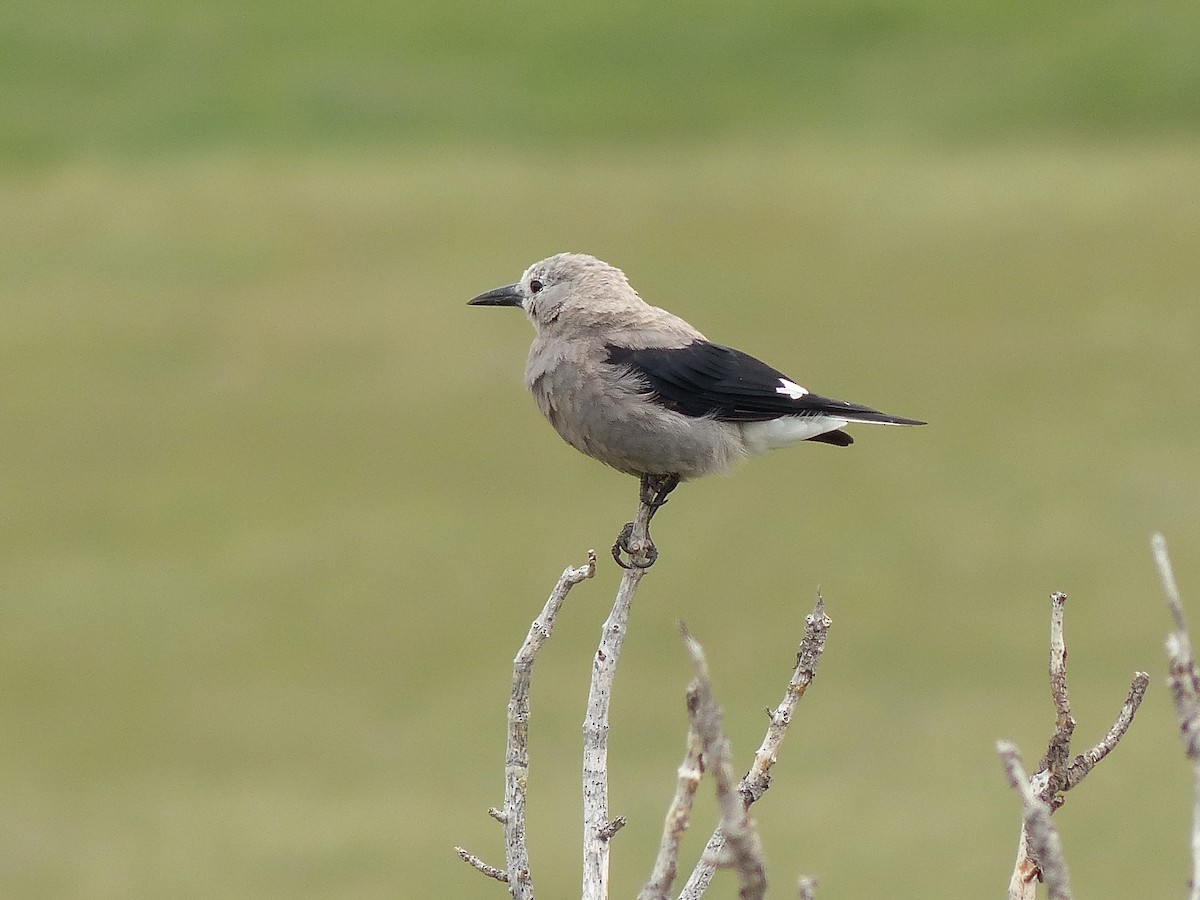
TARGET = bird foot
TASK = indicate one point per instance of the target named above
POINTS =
(655, 489)
(649, 552)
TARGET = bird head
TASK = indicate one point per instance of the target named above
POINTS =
(572, 286)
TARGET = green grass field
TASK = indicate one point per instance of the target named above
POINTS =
(276, 512)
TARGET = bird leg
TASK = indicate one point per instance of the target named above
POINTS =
(654, 491)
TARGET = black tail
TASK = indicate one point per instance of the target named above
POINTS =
(837, 438)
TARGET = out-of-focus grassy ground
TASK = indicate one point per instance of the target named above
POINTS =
(275, 512)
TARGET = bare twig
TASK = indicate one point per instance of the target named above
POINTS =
(691, 770)
(477, 863)
(1059, 748)
(758, 779)
(1085, 762)
(1058, 772)
(741, 836)
(1037, 830)
(816, 627)
(607, 832)
(1185, 692)
(516, 755)
(1158, 544)
(595, 722)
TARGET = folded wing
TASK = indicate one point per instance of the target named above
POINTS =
(718, 382)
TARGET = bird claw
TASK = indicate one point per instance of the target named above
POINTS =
(655, 489)
(649, 551)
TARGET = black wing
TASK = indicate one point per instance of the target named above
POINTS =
(706, 379)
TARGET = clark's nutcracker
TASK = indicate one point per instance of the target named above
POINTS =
(643, 391)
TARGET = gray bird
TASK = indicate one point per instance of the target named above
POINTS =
(643, 391)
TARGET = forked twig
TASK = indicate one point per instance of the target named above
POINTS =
(1039, 855)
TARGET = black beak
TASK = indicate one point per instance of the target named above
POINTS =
(509, 295)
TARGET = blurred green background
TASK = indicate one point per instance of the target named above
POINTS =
(276, 511)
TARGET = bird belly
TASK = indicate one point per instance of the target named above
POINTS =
(614, 423)
(760, 437)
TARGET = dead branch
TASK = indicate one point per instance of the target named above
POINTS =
(741, 836)
(1085, 762)
(606, 833)
(474, 861)
(516, 755)
(595, 722)
(1185, 693)
(734, 842)
(691, 770)
(1059, 748)
(1058, 772)
(812, 645)
(758, 778)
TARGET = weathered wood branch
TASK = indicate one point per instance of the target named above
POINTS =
(596, 819)
(1054, 761)
(478, 864)
(1038, 834)
(744, 849)
(666, 865)
(758, 778)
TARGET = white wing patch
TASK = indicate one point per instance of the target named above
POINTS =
(790, 389)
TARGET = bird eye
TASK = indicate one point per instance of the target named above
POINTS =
(535, 285)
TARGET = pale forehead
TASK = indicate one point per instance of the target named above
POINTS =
(563, 266)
